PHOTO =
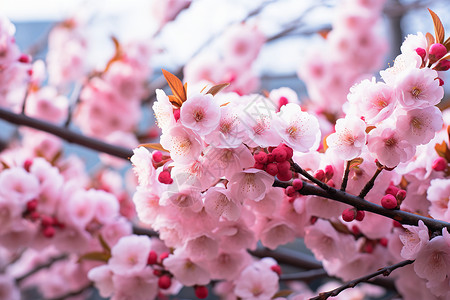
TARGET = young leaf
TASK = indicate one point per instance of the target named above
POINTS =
(175, 101)
(117, 55)
(98, 256)
(156, 146)
(104, 244)
(447, 44)
(438, 28)
(430, 39)
(217, 88)
(175, 85)
(356, 162)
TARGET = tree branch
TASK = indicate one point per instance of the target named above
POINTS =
(40, 267)
(73, 293)
(401, 216)
(351, 284)
(65, 134)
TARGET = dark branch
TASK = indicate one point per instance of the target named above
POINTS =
(73, 293)
(65, 134)
(40, 267)
(351, 284)
(369, 185)
(345, 178)
(401, 216)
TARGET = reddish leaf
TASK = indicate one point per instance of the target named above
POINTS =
(117, 54)
(175, 101)
(217, 88)
(185, 89)
(430, 39)
(224, 104)
(104, 244)
(175, 85)
(324, 33)
(282, 293)
(447, 44)
(442, 150)
(370, 128)
(356, 162)
(438, 28)
(156, 146)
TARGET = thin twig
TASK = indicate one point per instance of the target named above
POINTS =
(369, 185)
(351, 284)
(40, 267)
(65, 134)
(73, 293)
(305, 275)
(321, 184)
(73, 102)
(345, 178)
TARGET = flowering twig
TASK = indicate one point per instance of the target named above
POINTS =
(65, 134)
(40, 267)
(74, 293)
(401, 216)
(384, 271)
(369, 185)
(321, 184)
(345, 178)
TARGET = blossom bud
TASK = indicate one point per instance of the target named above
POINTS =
(284, 175)
(47, 221)
(270, 158)
(279, 154)
(272, 169)
(176, 114)
(421, 52)
(201, 291)
(297, 184)
(289, 151)
(164, 282)
(439, 164)
(331, 183)
(152, 258)
(384, 242)
(284, 166)
(349, 214)
(27, 165)
(261, 157)
(163, 256)
(392, 190)
(320, 175)
(48, 231)
(290, 191)
(164, 177)
(436, 52)
(443, 65)
(441, 82)
(24, 58)
(32, 205)
(329, 171)
(282, 101)
(259, 166)
(157, 156)
(276, 269)
(360, 214)
(389, 202)
(401, 195)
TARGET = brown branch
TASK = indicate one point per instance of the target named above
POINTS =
(345, 178)
(65, 134)
(351, 284)
(73, 293)
(40, 267)
(300, 170)
(401, 216)
(369, 185)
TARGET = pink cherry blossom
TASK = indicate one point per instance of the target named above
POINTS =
(388, 147)
(419, 126)
(256, 283)
(183, 144)
(219, 203)
(349, 138)
(203, 247)
(201, 113)
(298, 129)
(18, 185)
(413, 240)
(102, 278)
(419, 88)
(142, 165)
(438, 194)
(129, 255)
(275, 233)
(433, 260)
(185, 270)
(227, 265)
(375, 101)
(250, 184)
(163, 110)
(141, 285)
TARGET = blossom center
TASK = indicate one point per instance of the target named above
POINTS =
(198, 115)
(415, 92)
(391, 142)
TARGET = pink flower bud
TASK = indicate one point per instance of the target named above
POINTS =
(27, 165)
(164, 282)
(157, 156)
(289, 151)
(421, 52)
(349, 214)
(259, 166)
(329, 171)
(24, 58)
(360, 214)
(443, 65)
(290, 191)
(401, 195)
(284, 166)
(437, 51)
(392, 189)
(297, 184)
(47, 221)
(389, 201)
(320, 175)
(164, 177)
(284, 175)
(279, 154)
(32, 205)
(384, 242)
(201, 291)
(276, 269)
(48, 231)
(163, 256)
(152, 258)
(282, 101)
(441, 82)
(439, 164)
(261, 157)
(272, 169)
(176, 114)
